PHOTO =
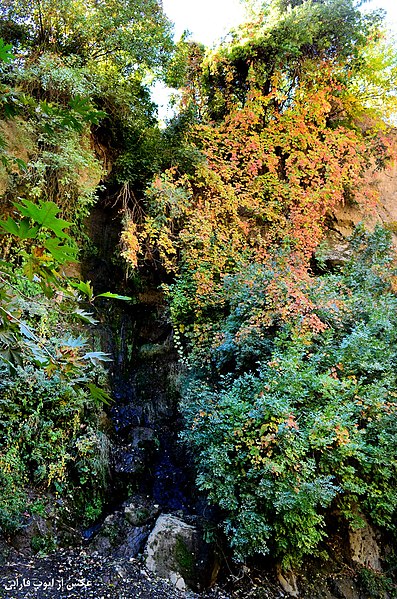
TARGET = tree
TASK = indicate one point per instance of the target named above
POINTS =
(310, 426)
(133, 34)
(282, 144)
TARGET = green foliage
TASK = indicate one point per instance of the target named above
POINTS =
(312, 427)
(13, 497)
(375, 584)
(132, 33)
(49, 439)
(52, 387)
(278, 40)
(6, 54)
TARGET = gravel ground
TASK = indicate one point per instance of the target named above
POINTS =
(77, 574)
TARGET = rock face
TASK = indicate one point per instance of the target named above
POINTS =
(134, 455)
(176, 551)
(343, 221)
(364, 547)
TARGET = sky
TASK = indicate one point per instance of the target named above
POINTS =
(209, 20)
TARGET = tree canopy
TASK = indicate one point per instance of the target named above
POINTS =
(133, 34)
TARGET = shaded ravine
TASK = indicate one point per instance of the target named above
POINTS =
(147, 457)
(144, 371)
(151, 472)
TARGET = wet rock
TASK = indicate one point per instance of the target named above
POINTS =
(364, 547)
(125, 416)
(128, 460)
(343, 587)
(170, 482)
(177, 552)
(132, 457)
(318, 591)
(37, 534)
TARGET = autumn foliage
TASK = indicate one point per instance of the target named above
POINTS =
(271, 171)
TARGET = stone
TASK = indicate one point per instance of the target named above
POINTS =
(132, 457)
(334, 250)
(343, 587)
(176, 551)
(364, 547)
(117, 537)
(37, 534)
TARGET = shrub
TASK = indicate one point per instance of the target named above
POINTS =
(313, 426)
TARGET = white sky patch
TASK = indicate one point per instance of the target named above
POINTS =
(207, 20)
(390, 6)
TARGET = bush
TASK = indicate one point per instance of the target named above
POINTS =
(49, 439)
(50, 401)
(313, 427)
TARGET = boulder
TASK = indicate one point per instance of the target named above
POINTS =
(38, 534)
(343, 587)
(177, 551)
(140, 510)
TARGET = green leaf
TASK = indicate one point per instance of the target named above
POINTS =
(108, 294)
(10, 226)
(6, 267)
(11, 358)
(30, 267)
(85, 316)
(99, 395)
(5, 52)
(39, 356)
(44, 214)
(26, 331)
(73, 342)
(85, 287)
(21, 229)
(96, 357)
(83, 107)
(21, 164)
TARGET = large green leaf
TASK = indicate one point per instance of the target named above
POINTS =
(84, 108)
(86, 288)
(5, 52)
(110, 295)
(85, 316)
(99, 395)
(44, 213)
(73, 342)
(96, 357)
